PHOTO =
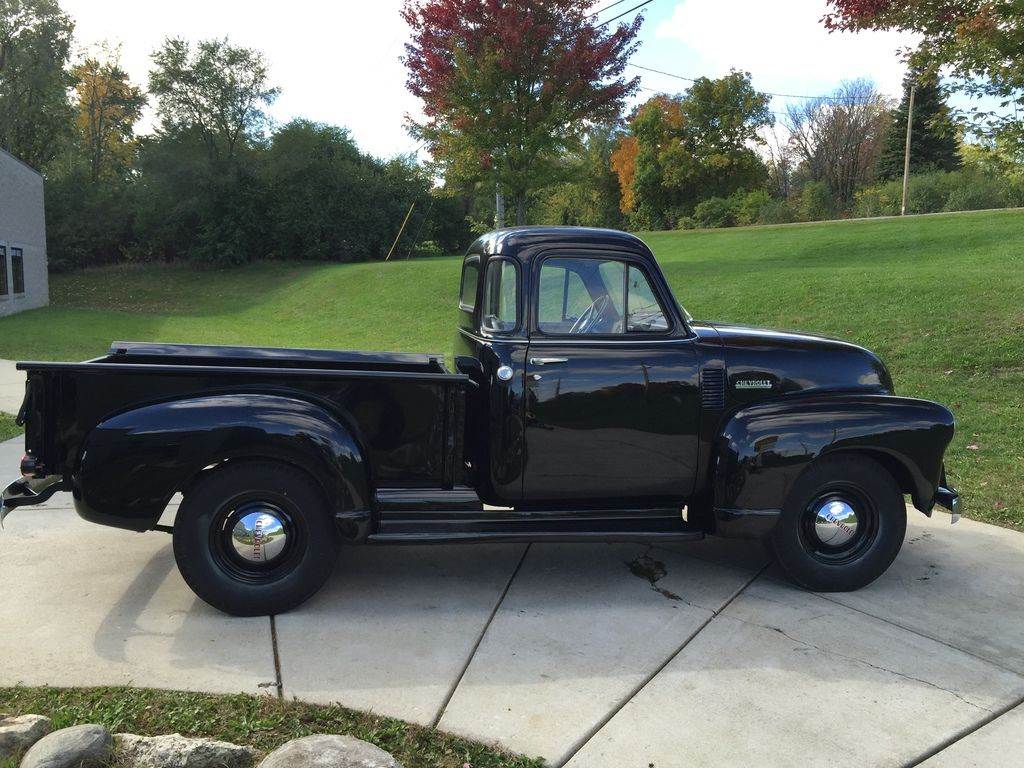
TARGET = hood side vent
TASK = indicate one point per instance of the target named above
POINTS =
(712, 388)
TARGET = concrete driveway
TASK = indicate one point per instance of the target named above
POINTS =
(591, 656)
(12, 387)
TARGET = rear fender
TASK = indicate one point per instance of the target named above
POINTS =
(763, 448)
(132, 463)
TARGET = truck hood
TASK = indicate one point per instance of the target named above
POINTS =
(760, 361)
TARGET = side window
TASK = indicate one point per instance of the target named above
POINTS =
(470, 280)
(596, 296)
(501, 297)
(645, 313)
(3, 270)
(18, 270)
(581, 296)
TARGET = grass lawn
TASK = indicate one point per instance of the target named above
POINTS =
(8, 428)
(261, 722)
(939, 298)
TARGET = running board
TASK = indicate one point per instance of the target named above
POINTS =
(523, 537)
(598, 525)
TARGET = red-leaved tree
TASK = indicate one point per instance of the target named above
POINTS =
(509, 85)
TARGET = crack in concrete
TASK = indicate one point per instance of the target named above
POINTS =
(831, 652)
(621, 704)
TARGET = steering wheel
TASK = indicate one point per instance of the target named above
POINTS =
(590, 315)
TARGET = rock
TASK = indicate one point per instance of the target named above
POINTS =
(324, 751)
(19, 733)
(177, 751)
(82, 746)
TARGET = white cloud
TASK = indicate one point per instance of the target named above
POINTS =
(783, 45)
(335, 61)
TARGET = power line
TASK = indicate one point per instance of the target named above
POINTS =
(626, 13)
(665, 93)
(599, 11)
(830, 97)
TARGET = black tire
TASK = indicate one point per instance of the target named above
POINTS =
(851, 553)
(211, 563)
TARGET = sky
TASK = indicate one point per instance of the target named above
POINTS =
(339, 62)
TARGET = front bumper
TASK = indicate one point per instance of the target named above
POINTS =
(26, 491)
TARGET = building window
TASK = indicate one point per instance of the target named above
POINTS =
(3, 270)
(18, 270)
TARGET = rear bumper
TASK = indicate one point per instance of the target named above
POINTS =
(27, 491)
(950, 499)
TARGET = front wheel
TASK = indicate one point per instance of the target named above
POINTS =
(842, 525)
(255, 538)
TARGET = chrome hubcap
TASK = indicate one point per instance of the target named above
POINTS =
(835, 522)
(259, 534)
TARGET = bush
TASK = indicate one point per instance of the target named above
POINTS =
(748, 207)
(978, 193)
(715, 212)
(963, 190)
(816, 202)
(778, 212)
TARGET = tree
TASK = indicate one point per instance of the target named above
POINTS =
(108, 108)
(218, 92)
(838, 138)
(589, 195)
(35, 42)
(979, 41)
(507, 87)
(683, 149)
(327, 200)
(934, 145)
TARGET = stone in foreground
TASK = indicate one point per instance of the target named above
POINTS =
(323, 751)
(177, 751)
(82, 746)
(20, 733)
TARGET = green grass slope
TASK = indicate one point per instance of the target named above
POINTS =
(939, 298)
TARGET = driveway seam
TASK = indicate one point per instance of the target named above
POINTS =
(574, 750)
(965, 732)
(480, 638)
(278, 682)
(919, 633)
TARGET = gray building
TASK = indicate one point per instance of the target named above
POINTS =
(23, 278)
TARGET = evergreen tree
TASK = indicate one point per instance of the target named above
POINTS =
(934, 145)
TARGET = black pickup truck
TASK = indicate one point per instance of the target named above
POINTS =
(585, 405)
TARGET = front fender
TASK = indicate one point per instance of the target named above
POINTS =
(763, 448)
(132, 463)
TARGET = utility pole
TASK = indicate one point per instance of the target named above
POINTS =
(499, 208)
(906, 155)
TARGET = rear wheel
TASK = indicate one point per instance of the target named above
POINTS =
(842, 526)
(255, 538)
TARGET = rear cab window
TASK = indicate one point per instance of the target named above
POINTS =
(470, 281)
(500, 313)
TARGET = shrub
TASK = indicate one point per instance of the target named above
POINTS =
(816, 202)
(748, 207)
(715, 212)
(778, 212)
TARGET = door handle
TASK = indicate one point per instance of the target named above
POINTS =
(548, 360)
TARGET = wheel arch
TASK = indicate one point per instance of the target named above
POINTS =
(763, 449)
(134, 462)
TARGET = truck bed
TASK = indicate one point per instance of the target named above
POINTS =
(406, 410)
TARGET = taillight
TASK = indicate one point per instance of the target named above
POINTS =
(29, 465)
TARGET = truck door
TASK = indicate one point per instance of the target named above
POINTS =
(611, 392)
